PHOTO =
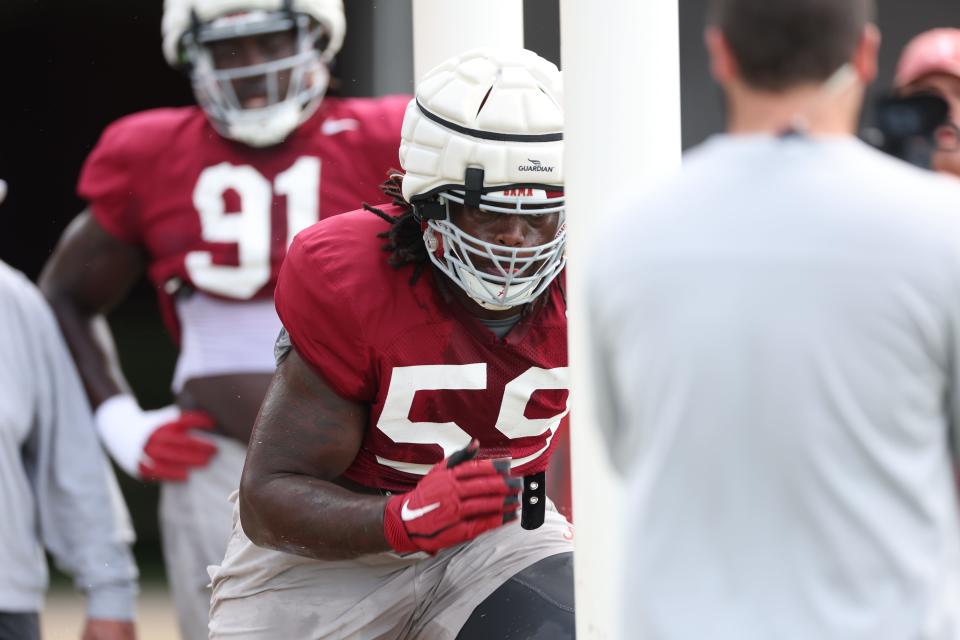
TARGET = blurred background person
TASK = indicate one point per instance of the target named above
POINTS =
(205, 200)
(930, 65)
(57, 490)
(778, 338)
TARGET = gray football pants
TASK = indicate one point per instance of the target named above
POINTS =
(195, 523)
(259, 594)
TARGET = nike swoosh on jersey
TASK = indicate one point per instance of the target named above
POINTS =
(333, 127)
(407, 514)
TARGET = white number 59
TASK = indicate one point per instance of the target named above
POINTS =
(406, 381)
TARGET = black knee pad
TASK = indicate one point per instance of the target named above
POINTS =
(535, 604)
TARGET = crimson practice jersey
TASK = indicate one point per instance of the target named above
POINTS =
(219, 215)
(432, 375)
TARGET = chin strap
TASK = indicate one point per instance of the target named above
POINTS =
(429, 210)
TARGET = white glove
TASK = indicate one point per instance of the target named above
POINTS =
(153, 445)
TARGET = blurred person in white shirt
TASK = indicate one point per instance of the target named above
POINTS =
(57, 490)
(777, 338)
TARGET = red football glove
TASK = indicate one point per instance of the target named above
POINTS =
(172, 451)
(456, 501)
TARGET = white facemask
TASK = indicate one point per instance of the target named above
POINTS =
(519, 275)
(271, 124)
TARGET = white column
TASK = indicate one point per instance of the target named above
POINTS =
(621, 70)
(445, 28)
(392, 47)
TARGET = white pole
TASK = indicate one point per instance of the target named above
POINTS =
(445, 28)
(621, 71)
(392, 32)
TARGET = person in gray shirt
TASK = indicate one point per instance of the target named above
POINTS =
(57, 490)
(777, 340)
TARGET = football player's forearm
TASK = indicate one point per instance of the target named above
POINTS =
(305, 437)
(93, 351)
(89, 273)
(310, 517)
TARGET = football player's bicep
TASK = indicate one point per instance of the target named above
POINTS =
(90, 270)
(304, 427)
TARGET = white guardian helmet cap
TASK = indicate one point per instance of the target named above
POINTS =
(189, 26)
(485, 130)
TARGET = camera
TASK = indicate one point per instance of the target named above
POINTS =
(905, 126)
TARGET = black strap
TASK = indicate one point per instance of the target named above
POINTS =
(429, 210)
(534, 500)
(195, 25)
(473, 187)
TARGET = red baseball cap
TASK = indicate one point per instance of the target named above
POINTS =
(935, 51)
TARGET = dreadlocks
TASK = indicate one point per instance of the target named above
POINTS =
(405, 236)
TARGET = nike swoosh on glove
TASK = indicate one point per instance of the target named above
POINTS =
(456, 501)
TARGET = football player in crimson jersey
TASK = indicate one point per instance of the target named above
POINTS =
(394, 482)
(205, 200)
(930, 64)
